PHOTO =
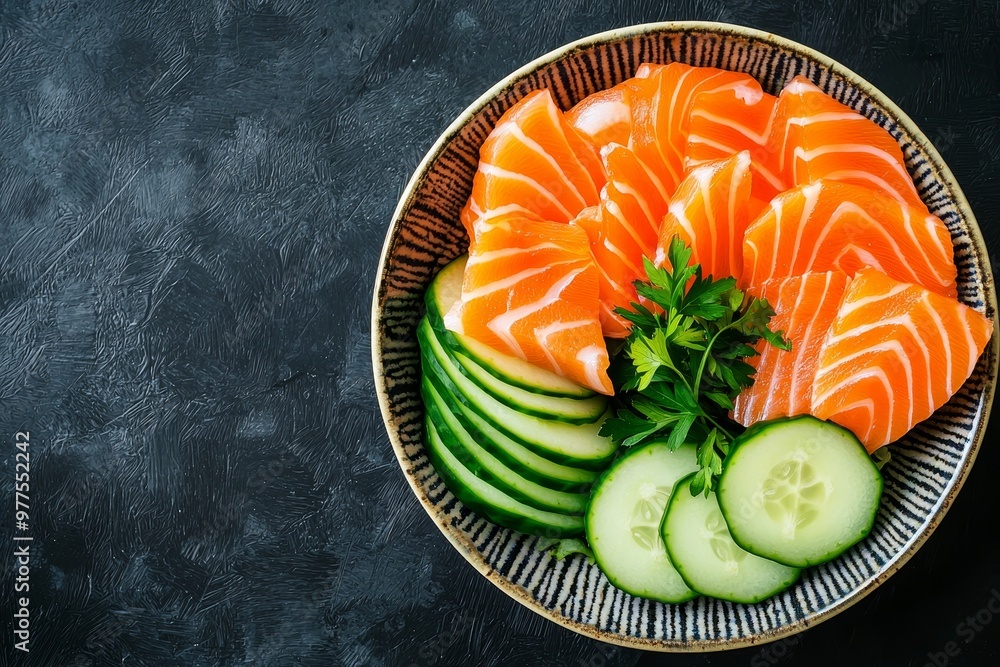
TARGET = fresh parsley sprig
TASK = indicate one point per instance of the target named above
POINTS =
(683, 365)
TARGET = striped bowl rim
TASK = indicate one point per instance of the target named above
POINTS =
(461, 541)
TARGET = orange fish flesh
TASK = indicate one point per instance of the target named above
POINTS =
(895, 353)
(531, 290)
(828, 225)
(804, 307)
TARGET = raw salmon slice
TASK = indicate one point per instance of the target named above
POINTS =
(804, 307)
(531, 290)
(818, 137)
(614, 267)
(533, 162)
(603, 117)
(895, 353)
(709, 213)
(661, 110)
(725, 122)
(827, 225)
(623, 230)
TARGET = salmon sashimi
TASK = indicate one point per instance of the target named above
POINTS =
(623, 229)
(661, 104)
(895, 353)
(725, 122)
(815, 137)
(614, 287)
(827, 225)
(531, 290)
(533, 162)
(804, 307)
(603, 117)
(709, 212)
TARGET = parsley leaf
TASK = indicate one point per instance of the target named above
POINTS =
(560, 548)
(683, 364)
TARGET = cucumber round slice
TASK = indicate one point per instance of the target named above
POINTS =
(571, 444)
(570, 410)
(623, 521)
(799, 491)
(490, 502)
(442, 294)
(487, 467)
(704, 553)
(515, 455)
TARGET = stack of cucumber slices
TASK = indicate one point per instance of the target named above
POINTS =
(518, 444)
(521, 446)
(793, 493)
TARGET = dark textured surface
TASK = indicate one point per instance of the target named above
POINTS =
(193, 201)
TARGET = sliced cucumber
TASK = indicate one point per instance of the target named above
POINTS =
(623, 521)
(799, 491)
(443, 292)
(489, 501)
(710, 562)
(569, 444)
(571, 410)
(515, 455)
(487, 467)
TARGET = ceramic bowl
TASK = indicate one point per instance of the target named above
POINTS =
(927, 468)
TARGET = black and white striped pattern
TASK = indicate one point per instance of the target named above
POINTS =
(927, 468)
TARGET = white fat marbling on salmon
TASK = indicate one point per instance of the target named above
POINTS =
(758, 138)
(542, 336)
(875, 182)
(890, 324)
(594, 360)
(612, 208)
(594, 118)
(749, 95)
(868, 404)
(678, 87)
(653, 176)
(617, 252)
(629, 191)
(871, 372)
(501, 325)
(480, 258)
(499, 172)
(557, 121)
(811, 193)
(848, 308)
(703, 176)
(517, 133)
(509, 281)
(849, 208)
(778, 209)
(942, 331)
(740, 171)
(798, 86)
(930, 227)
(793, 390)
(825, 117)
(891, 161)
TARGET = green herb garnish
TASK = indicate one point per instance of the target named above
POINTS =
(683, 364)
(560, 548)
